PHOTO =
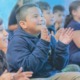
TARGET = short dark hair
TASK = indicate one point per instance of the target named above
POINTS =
(58, 8)
(22, 11)
(3, 62)
(43, 5)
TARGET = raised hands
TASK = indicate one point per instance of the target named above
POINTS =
(66, 35)
(44, 34)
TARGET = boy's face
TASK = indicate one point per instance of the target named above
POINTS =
(48, 17)
(3, 38)
(34, 20)
(58, 17)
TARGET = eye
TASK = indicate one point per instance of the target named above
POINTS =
(35, 16)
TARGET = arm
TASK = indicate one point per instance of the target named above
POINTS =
(60, 54)
(13, 27)
(76, 38)
(30, 61)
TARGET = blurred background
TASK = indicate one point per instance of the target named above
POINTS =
(6, 7)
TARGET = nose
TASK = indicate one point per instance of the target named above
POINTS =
(52, 15)
(42, 20)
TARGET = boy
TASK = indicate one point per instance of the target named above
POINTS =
(31, 52)
(58, 15)
(3, 62)
(48, 15)
(12, 24)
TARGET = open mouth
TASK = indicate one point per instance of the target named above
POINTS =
(41, 24)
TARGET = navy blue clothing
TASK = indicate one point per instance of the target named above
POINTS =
(52, 28)
(32, 53)
(73, 49)
(12, 21)
(12, 18)
(11, 34)
(76, 26)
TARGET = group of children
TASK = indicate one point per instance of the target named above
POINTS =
(38, 43)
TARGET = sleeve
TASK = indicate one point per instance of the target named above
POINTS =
(30, 61)
(60, 56)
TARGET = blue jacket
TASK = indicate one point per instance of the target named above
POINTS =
(52, 28)
(32, 54)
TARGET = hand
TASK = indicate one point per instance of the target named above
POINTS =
(58, 33)
(44, 34)
(6, 76)
(22, 75)
(16, 76)
(66, 36)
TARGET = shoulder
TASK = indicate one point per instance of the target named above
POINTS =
(73, 24)
(18, 41)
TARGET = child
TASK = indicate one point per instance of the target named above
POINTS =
(12, 24)
(32, 53)
(3, 40)
(73, 21)
(3, 61)
(58, 15)
(48, 15)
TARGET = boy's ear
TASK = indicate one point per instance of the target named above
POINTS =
(23, 24)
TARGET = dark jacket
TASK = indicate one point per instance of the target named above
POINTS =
(52, 28)
(32, 54)
(76, 26)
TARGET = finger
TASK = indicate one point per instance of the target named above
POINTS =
(27, 79)
(28, 76)
(28, 73)
(25, 75)
(70, 32)
(60, 30)
(45, 31)
(63, 31)
(20, 70)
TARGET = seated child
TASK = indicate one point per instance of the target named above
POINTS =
(73, 21)
(31, 52)
(12, 23)
(48, 15)
(3, 62)
(58, 15)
